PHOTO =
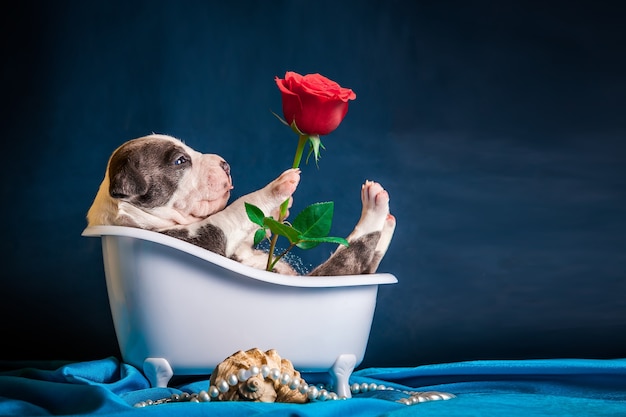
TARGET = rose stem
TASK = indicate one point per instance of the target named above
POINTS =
(283, 207)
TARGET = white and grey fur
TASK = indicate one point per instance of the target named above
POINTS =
(157, 182)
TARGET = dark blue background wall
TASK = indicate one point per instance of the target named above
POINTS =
(498, 128)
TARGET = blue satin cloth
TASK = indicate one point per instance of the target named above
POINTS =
(107, 387)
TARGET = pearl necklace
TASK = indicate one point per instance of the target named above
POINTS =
(313, 392)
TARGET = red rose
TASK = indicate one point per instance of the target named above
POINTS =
(315, 103)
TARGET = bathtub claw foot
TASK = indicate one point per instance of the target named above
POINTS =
(158, 371)
(340, 374)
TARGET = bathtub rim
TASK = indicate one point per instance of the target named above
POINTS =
(248, 271)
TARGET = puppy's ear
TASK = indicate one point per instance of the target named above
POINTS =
(125, 180)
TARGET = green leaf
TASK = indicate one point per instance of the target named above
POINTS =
(315, 220)
(309, 243)
(255, 214)
(259, 235)
(282, 229)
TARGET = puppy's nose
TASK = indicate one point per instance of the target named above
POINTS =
(225, 167)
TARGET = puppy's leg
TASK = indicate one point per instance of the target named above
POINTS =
(369, 239)
(383, 243)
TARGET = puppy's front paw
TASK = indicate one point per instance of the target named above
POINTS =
(285, 185)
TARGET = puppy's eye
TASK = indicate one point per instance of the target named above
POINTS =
(181, 160)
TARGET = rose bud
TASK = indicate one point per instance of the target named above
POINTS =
(315, 103)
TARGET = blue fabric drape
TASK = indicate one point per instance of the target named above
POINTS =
(563, 387)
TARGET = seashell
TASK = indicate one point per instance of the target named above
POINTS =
(257, 388)
(253, 388)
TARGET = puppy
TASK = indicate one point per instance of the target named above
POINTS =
(158, 183)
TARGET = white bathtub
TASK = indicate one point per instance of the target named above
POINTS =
(180, 310)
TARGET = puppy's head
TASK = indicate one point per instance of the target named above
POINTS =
(157, 181)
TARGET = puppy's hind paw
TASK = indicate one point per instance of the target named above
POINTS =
(375, 201)
(374, 197)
